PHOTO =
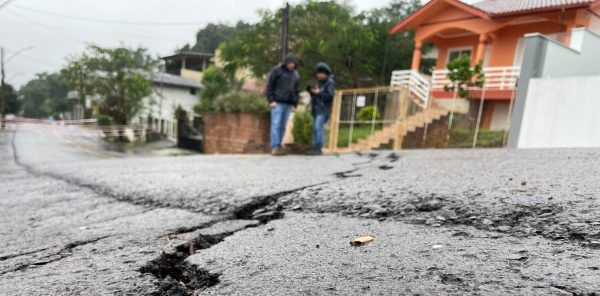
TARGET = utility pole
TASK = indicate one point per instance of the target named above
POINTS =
(2, 63)
(2, 94)
(285, 26)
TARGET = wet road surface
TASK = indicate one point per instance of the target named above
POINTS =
(79, 220)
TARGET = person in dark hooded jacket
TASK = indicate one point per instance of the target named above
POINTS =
(283, 93)
(321, 102)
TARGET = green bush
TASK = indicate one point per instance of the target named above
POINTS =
(302, 130)
(366, 114)
(463, 138)
(103, 120)
(203, 106)
(240, 102)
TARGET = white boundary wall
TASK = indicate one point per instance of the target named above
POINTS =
(561, 113)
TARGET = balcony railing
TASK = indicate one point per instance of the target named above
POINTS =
(496, 78)
(418, 84)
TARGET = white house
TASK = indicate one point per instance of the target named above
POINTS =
(169, 92)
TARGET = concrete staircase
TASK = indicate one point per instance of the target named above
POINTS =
(388, 133)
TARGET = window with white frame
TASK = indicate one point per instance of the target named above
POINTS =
(455, 53)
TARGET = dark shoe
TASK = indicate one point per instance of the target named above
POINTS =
(314, 152)
(277, 152)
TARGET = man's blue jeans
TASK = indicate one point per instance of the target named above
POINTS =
(279, 119)
(318, 125)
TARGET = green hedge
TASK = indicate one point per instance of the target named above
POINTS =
(103, 120)
(235, 102)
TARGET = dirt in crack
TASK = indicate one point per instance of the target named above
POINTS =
(177, 278)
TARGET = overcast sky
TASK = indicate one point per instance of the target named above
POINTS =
(25, 23)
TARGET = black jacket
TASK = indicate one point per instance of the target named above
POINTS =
(322, 102)
(283, 86)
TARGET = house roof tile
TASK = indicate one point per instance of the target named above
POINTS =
(494, 7)
(174, 80)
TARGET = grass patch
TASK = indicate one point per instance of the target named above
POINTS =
(463, 138)
(359, 132)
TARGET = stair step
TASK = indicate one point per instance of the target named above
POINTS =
(388, 133)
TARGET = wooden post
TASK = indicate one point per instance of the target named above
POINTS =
(334, 122)
(476, 135)
(402, 113)
(508, 118)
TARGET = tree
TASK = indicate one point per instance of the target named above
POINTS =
(8, 100)
(463, 76)
(117, 76)
(210, 37)
(215, 82)
(391, 52)
(45, 96)
(357, 47)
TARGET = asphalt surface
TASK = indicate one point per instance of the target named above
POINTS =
(77, 219)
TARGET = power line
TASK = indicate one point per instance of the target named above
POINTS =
(46, 27)
(142, 36)
(105, 21)
(5, 3)
(34, 59)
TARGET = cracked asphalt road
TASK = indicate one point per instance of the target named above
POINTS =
(78, 221)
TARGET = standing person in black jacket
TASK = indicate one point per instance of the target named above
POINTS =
(322, 100)
(283, 93)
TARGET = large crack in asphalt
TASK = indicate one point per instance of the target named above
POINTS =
(176, 277)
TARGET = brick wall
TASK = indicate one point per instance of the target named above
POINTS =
(236, 133)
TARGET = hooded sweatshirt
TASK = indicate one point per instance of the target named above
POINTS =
(284, 85)
(322, 102)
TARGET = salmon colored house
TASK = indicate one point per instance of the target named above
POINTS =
(490, 31)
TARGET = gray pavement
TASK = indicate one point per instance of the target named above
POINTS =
(79, 220)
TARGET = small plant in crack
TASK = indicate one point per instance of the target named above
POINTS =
(175, 277)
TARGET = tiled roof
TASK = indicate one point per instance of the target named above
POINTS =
(511, 6)
(162, 78)
(170, 79)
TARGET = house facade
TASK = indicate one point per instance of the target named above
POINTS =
(490, 31)
(169, 92)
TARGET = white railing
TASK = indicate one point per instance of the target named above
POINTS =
(418, 83)
(496, 78)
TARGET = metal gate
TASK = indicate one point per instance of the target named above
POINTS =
(368, 118)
